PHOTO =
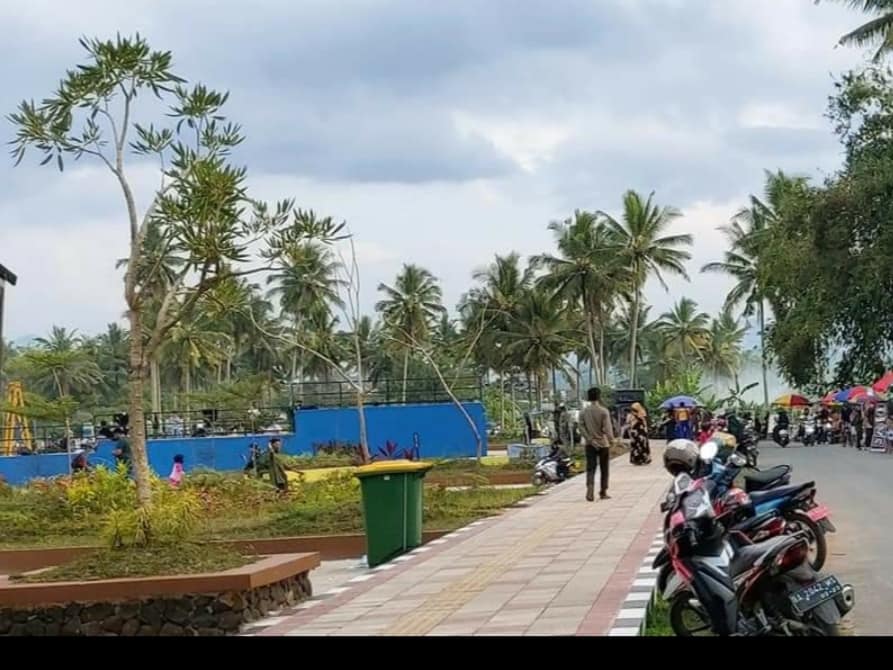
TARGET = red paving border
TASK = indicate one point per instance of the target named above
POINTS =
(604, 610)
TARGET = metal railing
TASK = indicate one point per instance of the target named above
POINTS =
(385, 392)
(207, 422)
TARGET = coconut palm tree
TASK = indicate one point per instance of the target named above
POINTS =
(877, 31)
(539, 337)
(642, 245)
(410, 309)
(585, 275)
(722, 356)
(745, 234)
(685, 330)
(61, 372)
(60, 339)
(192, 344)
(307, 284)
(493, 303)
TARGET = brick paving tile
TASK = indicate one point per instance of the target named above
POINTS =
(557, 566)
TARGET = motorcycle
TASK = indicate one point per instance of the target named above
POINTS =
(553, 469)
(754, 589)
(781, 437)
(809, 433)
(771, 491)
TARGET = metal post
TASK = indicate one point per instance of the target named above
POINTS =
(6, 277)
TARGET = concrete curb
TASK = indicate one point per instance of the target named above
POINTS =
(633, 614)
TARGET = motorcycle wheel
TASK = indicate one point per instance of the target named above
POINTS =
(817, 542)
(538, 479)
(688, 618)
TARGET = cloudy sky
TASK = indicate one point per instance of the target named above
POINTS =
(444, 132)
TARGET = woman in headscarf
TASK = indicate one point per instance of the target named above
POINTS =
(637, 422)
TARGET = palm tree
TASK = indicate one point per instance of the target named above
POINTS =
(685, 331)
(113, 348)
(410, 309)
(722, 357)
(745, 234)
(585, 275)
(878, 30)
(539, 337)
(307, 284)
(621, 331)
(60, 372)
(193, 343)
(60, 339)
(493, 302)
(645, 249)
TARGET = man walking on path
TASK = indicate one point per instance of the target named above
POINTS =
(598, 433)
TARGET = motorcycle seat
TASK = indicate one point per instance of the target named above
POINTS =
(748, 555)
(756, 481)
(759, 497)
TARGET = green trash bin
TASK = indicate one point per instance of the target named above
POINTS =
(392, 507)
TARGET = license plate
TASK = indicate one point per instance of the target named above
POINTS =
(818, 513)
(812, 596)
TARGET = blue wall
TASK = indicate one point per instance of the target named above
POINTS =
(440, 430)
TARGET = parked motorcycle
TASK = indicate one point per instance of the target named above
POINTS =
(553, 469)
(771, 491)
(754, 589)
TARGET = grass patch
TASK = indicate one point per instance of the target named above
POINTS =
(657, 624)
(230, 506)
(178, 559)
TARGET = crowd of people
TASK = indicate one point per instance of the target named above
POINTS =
(849, 424)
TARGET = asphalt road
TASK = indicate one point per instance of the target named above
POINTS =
(858, 488)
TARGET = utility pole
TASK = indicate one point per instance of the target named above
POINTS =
(6, 277)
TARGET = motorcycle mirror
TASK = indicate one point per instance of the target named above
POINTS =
(709, 451)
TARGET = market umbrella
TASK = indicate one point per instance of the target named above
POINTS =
(862, 394)
(883, 384)
(842, 396)
(675, 401)
(829, 399)
(792, 400)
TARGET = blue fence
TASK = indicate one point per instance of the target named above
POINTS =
(438, 430)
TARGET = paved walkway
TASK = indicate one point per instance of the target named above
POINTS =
(555, 566)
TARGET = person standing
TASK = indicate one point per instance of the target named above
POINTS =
(637, 422)
(857, 422)
(272, 463)
(682, 416)
(121, 450)
(869, 425)
(598, 433)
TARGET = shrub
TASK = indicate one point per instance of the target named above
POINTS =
(172, 517)
(221, 491)
(100, 491)
(336, 448)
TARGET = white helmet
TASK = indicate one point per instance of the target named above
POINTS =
(681, 456)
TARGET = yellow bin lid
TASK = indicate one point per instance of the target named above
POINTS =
(392, 468)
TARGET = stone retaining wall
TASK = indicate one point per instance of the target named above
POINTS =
(206, 614)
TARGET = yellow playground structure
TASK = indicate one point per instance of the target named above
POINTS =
(16, 432)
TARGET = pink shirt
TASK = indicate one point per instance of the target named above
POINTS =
(176, 475)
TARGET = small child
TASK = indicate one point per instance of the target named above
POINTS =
(177, 472)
